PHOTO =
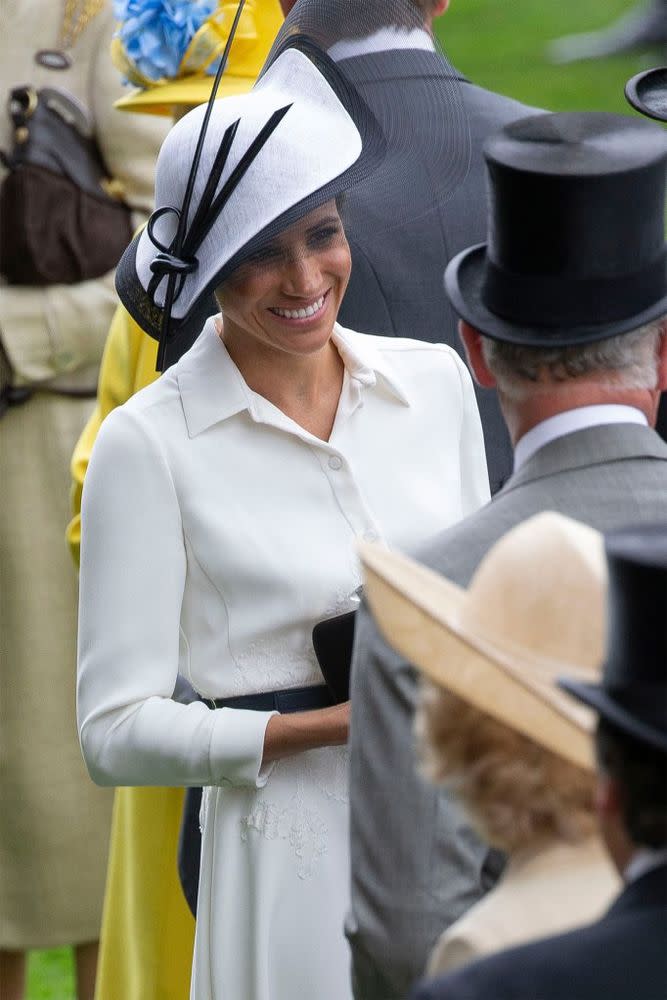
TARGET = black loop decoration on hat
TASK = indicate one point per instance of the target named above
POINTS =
(180, 258)
(176, 250)
(159, 213)
(167, 263)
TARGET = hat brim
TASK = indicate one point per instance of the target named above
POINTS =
(188, 92)
(464, 284)
(647, 93)
(419, 613)
(597, 698)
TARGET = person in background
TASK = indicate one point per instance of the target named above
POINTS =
(54, 823)
(147, 930)
(644, 27)
(579, 391)
(520, 768)
(623, 954)
(396, 285)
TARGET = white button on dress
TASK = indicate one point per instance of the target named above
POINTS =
(214, 537)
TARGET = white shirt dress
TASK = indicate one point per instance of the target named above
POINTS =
(216, 533)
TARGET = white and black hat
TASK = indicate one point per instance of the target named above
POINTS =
(298, 139)
(234, 174)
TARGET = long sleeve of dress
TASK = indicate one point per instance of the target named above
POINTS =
(133, 566)
(128, 364)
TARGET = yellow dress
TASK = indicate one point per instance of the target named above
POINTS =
(147, 930)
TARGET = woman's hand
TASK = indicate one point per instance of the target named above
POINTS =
(286, 735)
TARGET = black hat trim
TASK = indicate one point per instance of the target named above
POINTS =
(640, 713)
(561, 301)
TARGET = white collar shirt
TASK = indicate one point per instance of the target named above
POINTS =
(384, 40)
(205, 505)
(644, 860)
(569, 422)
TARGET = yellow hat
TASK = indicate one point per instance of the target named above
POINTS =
(258, 25)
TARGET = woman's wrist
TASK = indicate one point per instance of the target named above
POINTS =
(293, 733)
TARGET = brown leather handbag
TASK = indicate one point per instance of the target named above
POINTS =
(62, 220)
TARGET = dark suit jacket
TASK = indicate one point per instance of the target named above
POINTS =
(621, 957)
(396, 288)
(416, 864)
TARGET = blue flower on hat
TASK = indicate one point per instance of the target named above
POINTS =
(156, 33)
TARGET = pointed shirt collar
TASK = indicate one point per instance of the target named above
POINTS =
(212, 388)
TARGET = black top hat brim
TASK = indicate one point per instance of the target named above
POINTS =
(464, 283)
(647, 93)
(610, 709)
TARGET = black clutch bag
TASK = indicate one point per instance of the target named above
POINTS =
(333, 641)
(62, 218)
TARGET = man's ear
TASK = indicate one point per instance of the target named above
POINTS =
(440, 7)
(607, 798)
(662, 360)
(472, 341)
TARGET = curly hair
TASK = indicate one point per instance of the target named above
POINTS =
(515, 792)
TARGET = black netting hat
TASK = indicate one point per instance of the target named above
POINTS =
(235, 173)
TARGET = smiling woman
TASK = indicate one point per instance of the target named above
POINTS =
(287, 296)
(278, 315)
(225, 500)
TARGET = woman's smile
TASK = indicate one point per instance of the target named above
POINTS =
(302, 313)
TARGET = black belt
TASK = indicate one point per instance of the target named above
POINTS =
(301, 699)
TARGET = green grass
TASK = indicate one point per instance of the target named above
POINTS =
(499, 44)
(51, 975)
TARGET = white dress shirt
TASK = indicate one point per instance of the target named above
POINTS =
(644, 860)
(383, 40)
(570, 421)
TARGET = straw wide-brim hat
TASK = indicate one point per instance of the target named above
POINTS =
(260, 23)
(535, 605)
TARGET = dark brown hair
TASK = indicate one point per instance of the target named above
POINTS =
(641, 773)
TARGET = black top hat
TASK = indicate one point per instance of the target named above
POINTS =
(633, 692)
(576, 249)
(647, 93)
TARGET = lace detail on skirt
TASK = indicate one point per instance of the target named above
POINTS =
(318, 773)
(304, 828)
